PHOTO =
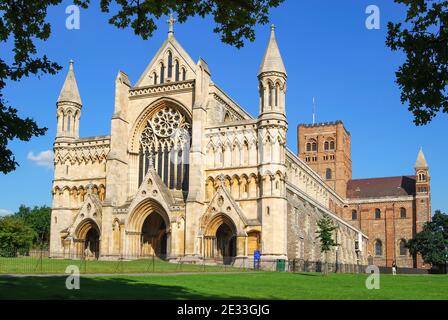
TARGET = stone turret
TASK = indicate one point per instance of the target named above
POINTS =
(69, 107)
(272, 81)
(272, 128)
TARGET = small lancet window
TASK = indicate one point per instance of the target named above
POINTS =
(177, 71)
(162, 73)
(170, 64)
(277, 89)
(271, 95)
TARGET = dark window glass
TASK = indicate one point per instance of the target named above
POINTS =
(377, 214)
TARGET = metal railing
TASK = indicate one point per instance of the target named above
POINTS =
(45, 262)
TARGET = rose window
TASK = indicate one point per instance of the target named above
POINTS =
(166, 121)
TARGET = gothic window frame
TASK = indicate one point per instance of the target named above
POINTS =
(328, 174)
(402, 250)
(170, 65)
(377, 214)
(165, 140)
(402, 213)
(378, 248)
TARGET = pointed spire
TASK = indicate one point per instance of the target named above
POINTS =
(421, 161)
(272, 60)
(70, 92)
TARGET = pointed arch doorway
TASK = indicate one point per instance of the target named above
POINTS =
(154, 236)
(88, 240)
(148, 231)
(220, 240)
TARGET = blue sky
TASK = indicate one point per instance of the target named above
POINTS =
(328, 53)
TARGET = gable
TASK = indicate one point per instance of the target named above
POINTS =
(178, 54)
(223, 203)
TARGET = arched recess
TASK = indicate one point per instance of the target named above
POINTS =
(253, 242)
(148, 230)
(161, 140)
(88, 237)
(220, 239)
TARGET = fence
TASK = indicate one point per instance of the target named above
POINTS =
(44, 262)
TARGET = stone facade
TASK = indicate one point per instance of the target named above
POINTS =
(187, 172)
(388, 210)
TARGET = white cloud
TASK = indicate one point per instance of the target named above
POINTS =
(43, 159)
(5, 212)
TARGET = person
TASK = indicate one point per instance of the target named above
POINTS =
(394, 268)
(257, 258)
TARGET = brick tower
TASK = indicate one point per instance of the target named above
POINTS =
(326, 148)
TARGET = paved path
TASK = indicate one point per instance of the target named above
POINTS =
(89, 275)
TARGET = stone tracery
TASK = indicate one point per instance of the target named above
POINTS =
(164, 146)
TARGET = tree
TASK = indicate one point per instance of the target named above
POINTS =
(38, 219)
(432, 241)
(15, 235)
(423, 78)
(22, 22)
(326, 227)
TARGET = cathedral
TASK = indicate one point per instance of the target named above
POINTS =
(187, 173)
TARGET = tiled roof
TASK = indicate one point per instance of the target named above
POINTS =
(381, 187)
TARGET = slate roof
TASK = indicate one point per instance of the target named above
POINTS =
(381, 187)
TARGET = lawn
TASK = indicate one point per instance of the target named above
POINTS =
(36, 265)
(261, 285)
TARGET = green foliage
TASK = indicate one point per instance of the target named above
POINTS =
(325, 233)
(423, 78)
(38, 219)
(235, 19)
(22, 22)
(432, 241)
(15, 235)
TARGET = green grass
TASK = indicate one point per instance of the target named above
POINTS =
(34, 265)
(261, 285)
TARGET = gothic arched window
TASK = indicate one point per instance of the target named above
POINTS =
(421, 177)
(162, 73)
(155, 78)
(377, 214)
(332, 145)
(277, 89)
(326, 146)
(402, 213)
(164, 147)
(177, 71)
(378, 248)
(328, 174)
(170, 65)
(184, 74)
(403, 249)
(271, 95)
(262, 102)
(69, 121)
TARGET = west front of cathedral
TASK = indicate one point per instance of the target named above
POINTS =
(187, 173)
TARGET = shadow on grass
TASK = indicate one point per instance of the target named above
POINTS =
(307, 274)
(33, 288)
